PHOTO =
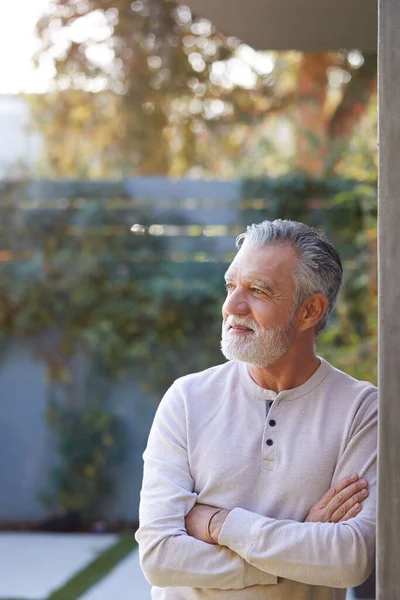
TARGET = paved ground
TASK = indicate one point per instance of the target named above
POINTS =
(33, 565)
(125, 582)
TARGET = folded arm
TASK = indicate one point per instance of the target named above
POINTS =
(338, 554)
(168, 555)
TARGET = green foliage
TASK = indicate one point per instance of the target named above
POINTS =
(72, 285)
(80, 276)
(90, 444)
(96, 288)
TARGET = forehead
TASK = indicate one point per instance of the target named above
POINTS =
(270, 263)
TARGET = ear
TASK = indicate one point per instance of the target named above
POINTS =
(312, 310)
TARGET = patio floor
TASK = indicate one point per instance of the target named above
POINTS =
(34, 565)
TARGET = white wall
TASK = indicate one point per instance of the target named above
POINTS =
(20, 149)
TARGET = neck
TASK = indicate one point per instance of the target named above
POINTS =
(290, 371)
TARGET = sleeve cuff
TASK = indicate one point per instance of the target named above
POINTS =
(237, 534)
(237, 531)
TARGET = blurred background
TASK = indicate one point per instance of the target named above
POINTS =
(119, 115)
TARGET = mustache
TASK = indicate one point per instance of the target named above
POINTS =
(231, 321)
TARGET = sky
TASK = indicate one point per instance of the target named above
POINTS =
(18, 44)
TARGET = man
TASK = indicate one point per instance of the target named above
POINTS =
(240, 454)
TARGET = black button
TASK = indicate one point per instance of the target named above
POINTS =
(272, 422)
(269, 442)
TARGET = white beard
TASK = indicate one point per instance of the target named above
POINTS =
(259, 347)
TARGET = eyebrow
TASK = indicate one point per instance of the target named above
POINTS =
(261, 283)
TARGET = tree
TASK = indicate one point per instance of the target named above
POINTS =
(324, 128)
(158, 62)
(145, 88)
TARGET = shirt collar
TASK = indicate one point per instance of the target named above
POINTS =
(301, 390)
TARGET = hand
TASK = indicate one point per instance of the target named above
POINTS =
(196, 522)
(341, 502)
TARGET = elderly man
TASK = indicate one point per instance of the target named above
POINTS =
(239, 458)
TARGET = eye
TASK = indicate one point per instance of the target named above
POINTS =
(229, 286)
(257, 291)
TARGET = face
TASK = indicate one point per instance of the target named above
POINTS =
(258, 322)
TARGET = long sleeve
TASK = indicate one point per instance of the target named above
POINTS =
(329, 554)
(168, 555)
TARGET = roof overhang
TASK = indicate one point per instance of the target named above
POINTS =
(307, 25)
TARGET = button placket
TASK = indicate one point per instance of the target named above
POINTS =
(269, 442)
(271, 423)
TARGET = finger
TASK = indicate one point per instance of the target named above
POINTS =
(344, 508)
(353, 512)
(345, 494)
(336, 489)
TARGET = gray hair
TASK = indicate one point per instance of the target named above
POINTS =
(319, 268)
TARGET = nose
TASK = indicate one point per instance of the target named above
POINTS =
(235, 303)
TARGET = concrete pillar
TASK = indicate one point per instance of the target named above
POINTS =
(388, 568)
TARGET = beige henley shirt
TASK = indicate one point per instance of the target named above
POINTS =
(214, 441)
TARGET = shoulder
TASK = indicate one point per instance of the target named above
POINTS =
(196, 390)
(214, 378)
(341, 378)
(351, 390)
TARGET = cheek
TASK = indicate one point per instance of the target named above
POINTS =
(267, 315)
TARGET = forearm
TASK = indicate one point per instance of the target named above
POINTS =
(178, 560)
(329, 554)
(334, 555)
(169, 557)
